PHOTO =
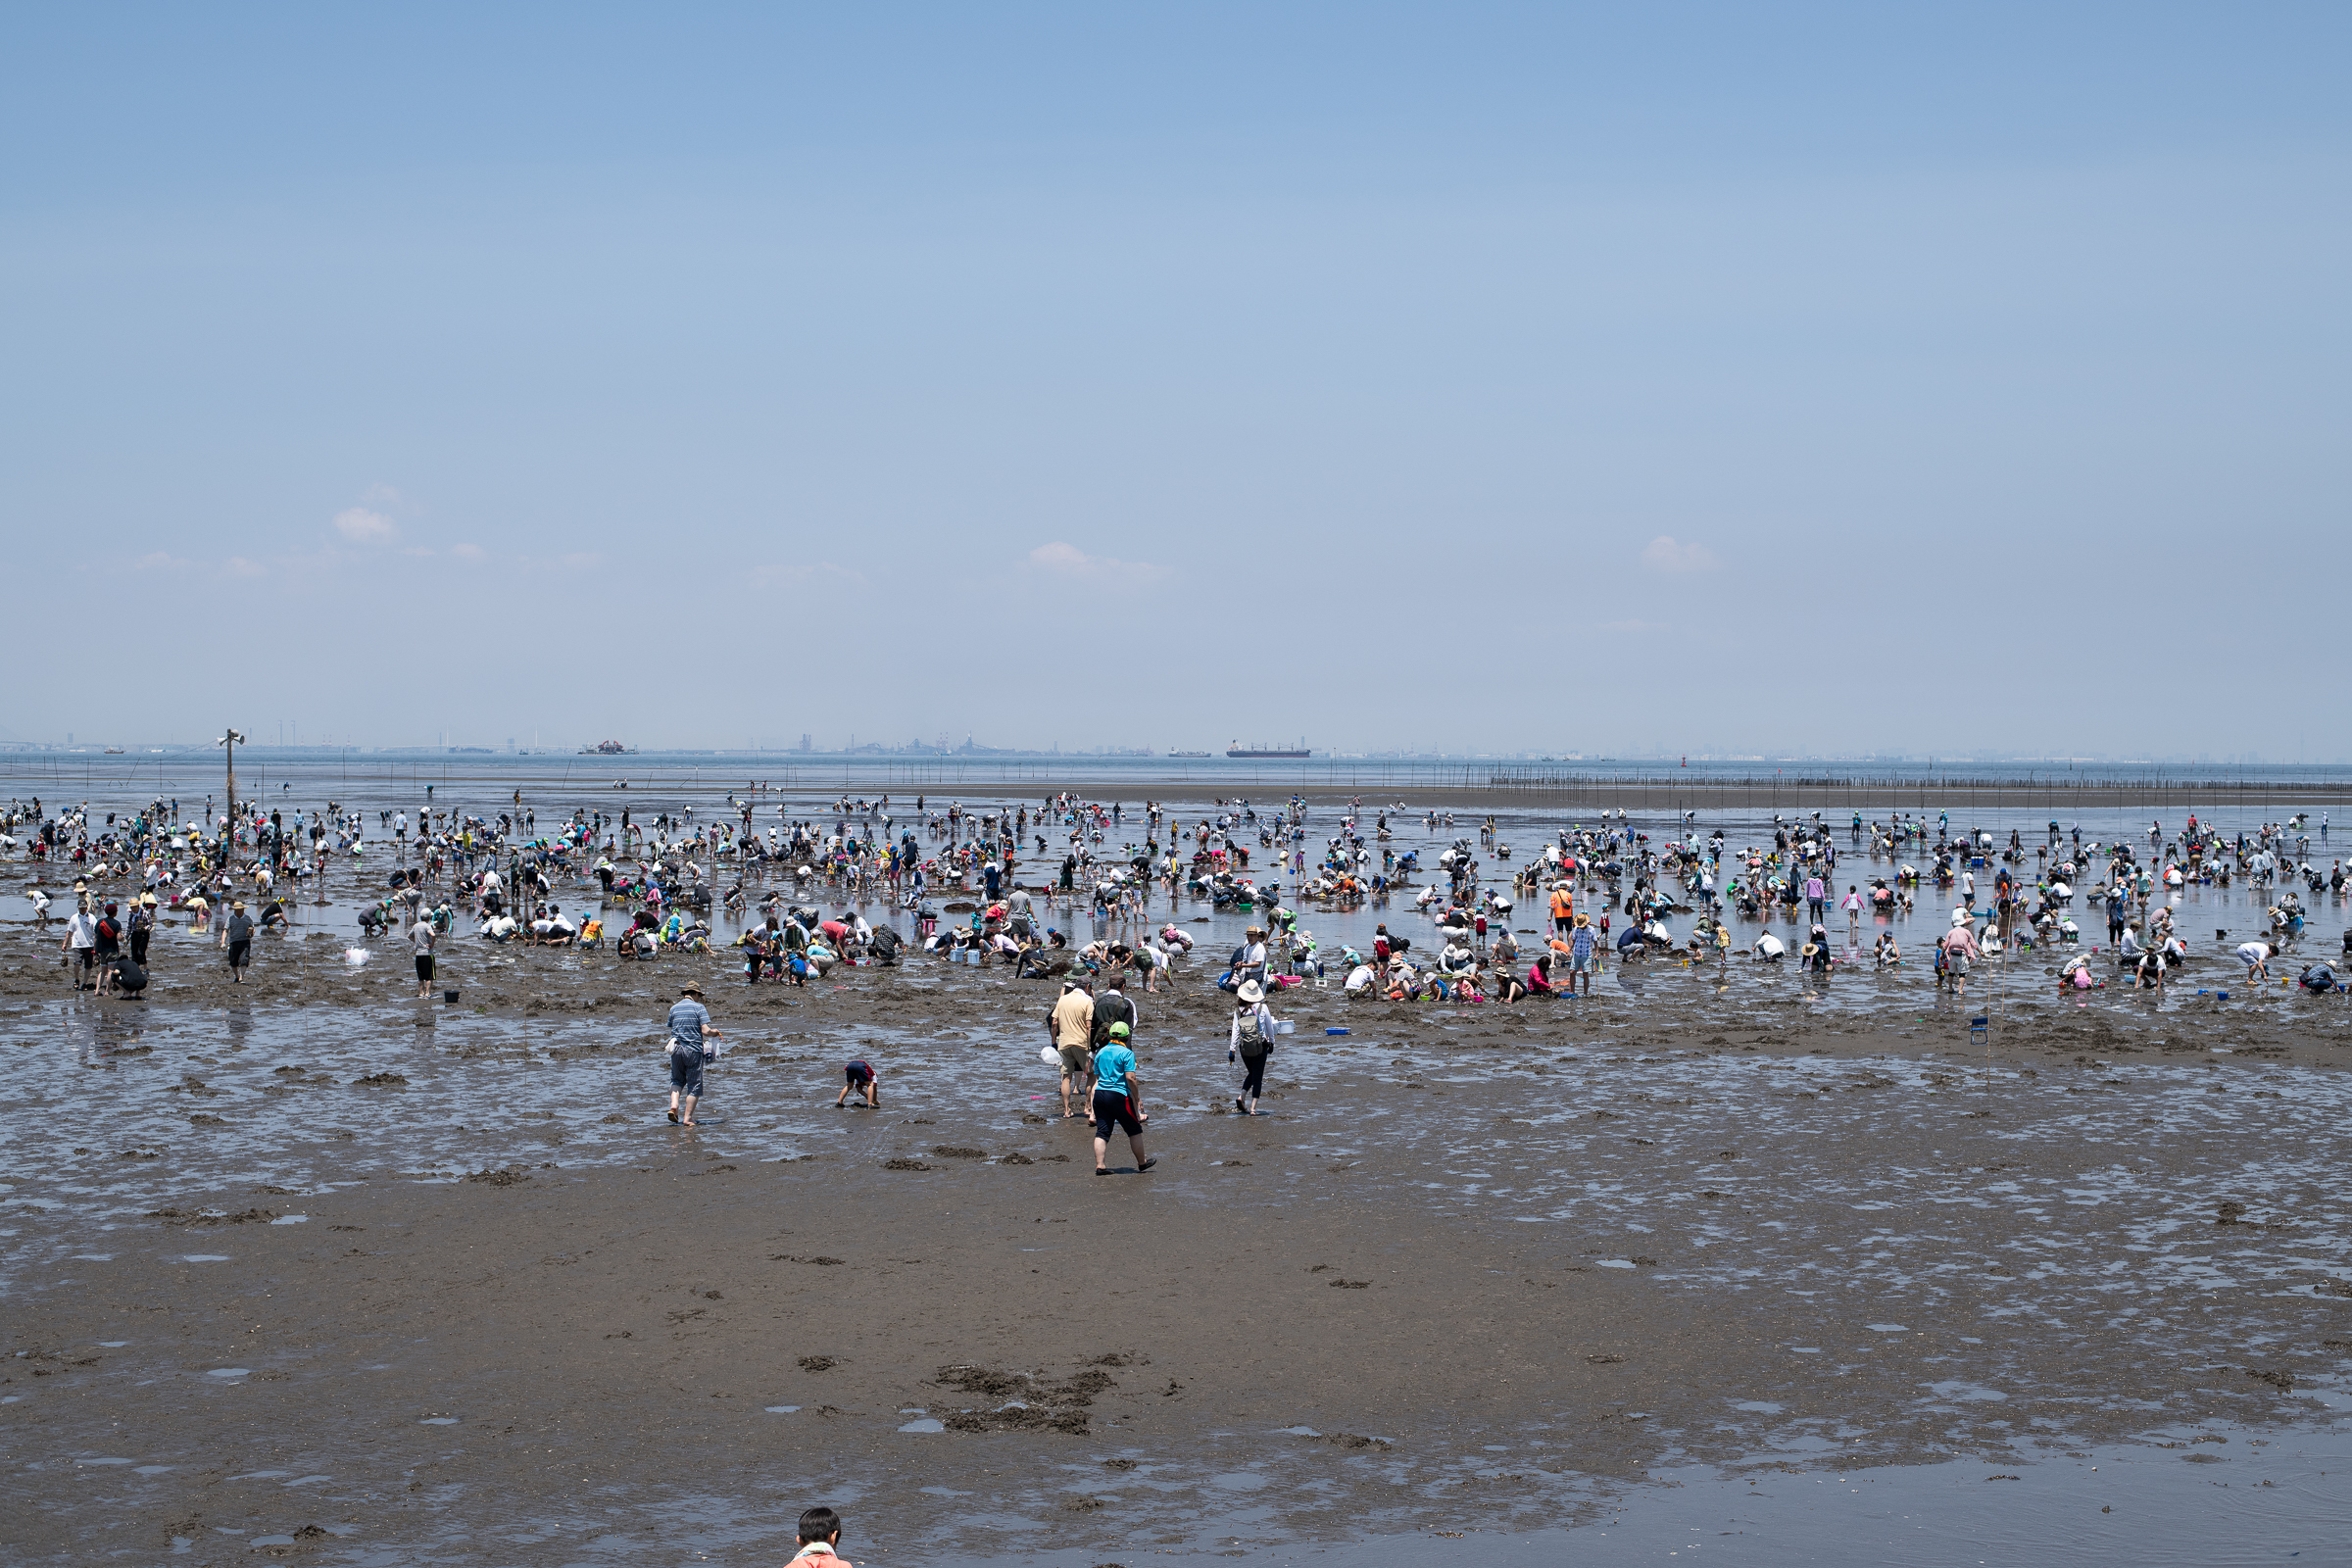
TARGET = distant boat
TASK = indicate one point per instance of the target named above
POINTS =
(1188, 754)
(607, 749)
(114, 751)
(1260, 753)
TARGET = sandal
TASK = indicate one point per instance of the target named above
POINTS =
(1101, 1171)
(1147, 1164)
(674, 1115)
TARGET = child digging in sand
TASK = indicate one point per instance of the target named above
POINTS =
(862, 1079)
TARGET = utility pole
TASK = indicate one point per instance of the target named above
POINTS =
(228, 742)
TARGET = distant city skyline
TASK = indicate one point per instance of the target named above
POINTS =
(917, 750)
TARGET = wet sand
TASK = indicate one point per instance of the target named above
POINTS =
(1473, 1260)
(1482, 1265)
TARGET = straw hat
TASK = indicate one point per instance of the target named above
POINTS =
(690, 989)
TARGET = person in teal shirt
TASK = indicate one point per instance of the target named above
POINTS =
(1115, 1104)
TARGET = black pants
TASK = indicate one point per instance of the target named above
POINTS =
(1254, 1084)
(139, 948)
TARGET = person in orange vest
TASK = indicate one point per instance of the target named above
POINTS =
(1563, 908)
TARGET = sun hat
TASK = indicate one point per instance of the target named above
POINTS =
(691, 987)
(1252, 992)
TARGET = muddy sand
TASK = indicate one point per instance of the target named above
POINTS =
(309, 1269)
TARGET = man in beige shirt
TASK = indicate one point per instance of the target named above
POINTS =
(1070, 1025)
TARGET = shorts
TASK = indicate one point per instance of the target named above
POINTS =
(424, 966)
(859, 1074)
(1115, 1111)
(1582, 965)
(1076, 1060)
(1957, 963)
(686, 1073)
(240, 953)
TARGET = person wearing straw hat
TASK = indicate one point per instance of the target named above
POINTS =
(689, 1025)
(142, 927)
(1251, 1042)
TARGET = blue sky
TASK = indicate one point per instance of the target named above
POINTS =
(1719, 378)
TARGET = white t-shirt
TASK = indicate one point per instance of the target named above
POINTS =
(2251, 953)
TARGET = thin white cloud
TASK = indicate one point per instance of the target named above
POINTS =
(1666, 554)
(159, 560)
(468, 552)
(795, 573)
(583, 561)
(240, 566)
(362, 526)
(1065, 559)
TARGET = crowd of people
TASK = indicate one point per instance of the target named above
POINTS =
(1013, 884)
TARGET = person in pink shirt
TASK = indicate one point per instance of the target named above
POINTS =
(820, 1532)
(1959, 947)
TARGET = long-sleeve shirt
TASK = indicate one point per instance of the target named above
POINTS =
(1266, 1026)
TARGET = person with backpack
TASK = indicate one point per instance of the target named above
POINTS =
(1251, 1042)
(1112, 1007)
(689, 1024)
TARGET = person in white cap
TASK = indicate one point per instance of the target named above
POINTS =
(1959, 946)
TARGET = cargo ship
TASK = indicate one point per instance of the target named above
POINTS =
(1263, 754)
(1188, 754)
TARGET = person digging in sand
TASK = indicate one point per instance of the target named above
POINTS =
(689, 1024)
(862, 1079)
